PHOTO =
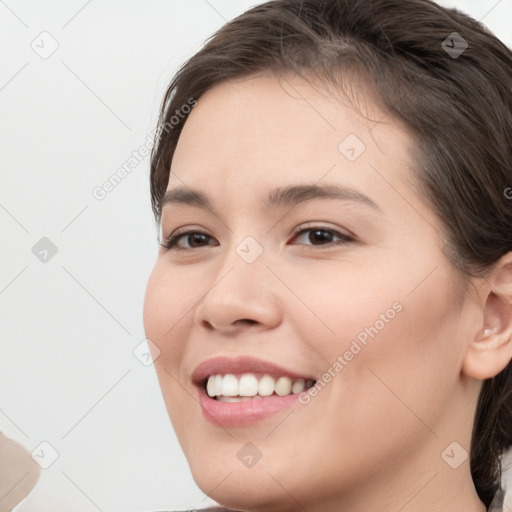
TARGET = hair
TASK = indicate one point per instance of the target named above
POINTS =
(457, 107)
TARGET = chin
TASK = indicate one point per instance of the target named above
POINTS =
(245, 491)
(221, 476)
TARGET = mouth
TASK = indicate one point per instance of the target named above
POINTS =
(252, 386)
(245, 390)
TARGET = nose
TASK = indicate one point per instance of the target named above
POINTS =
(241, 296)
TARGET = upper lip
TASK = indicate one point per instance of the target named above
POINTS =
(242, 364)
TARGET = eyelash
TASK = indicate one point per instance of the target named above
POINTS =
(171, 242)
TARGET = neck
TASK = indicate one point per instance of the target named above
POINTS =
(425, 484)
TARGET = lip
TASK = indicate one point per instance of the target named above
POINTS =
(231, 414)
(242, 364)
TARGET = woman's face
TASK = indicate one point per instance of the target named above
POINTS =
(350, 289)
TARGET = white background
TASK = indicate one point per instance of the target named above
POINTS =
(68, 374)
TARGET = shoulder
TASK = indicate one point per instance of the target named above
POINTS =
(210, 509)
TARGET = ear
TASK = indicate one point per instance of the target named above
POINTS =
(491, 349)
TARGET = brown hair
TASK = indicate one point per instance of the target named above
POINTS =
(455, 100)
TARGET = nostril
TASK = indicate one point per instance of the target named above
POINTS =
(207, 324)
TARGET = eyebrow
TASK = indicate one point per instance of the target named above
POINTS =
(277, 198)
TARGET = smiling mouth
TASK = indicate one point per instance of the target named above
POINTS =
(252, 386)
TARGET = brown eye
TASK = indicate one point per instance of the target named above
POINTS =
(322, 236)
(193, 238)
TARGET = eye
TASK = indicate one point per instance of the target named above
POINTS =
(192, 237)
(319, 235)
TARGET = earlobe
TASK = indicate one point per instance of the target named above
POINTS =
(490, 351)
(487, 356)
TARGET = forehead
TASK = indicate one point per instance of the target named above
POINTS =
(261, 132)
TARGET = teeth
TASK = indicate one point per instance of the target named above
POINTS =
(238, 398)
(233, 398)
(229, 388)
(229, 385)
(248, 385)
(266, 386)
(298, 386)
(218, 383)
(283, 386)
(211, 387)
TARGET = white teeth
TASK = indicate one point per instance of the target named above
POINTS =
(211, 387)
(283, 386)
(248, 385)
(229, 388)
(266, 386)
(298, 386)
(233, 398)
(229, 385)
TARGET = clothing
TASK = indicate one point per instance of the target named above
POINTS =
(495, 506)
(215, 509)
(222, 509)
(219, 509)
(497, 503)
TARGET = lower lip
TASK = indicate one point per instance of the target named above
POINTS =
(236, 414)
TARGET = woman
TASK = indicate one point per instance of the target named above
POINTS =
(332, 300)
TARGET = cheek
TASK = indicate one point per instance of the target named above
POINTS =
(391, 313)
(396, 336)
(166, 323)
(342, 303)
(167, 305)
(409, 357)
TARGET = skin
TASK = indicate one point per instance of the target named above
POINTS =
(372, 438)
